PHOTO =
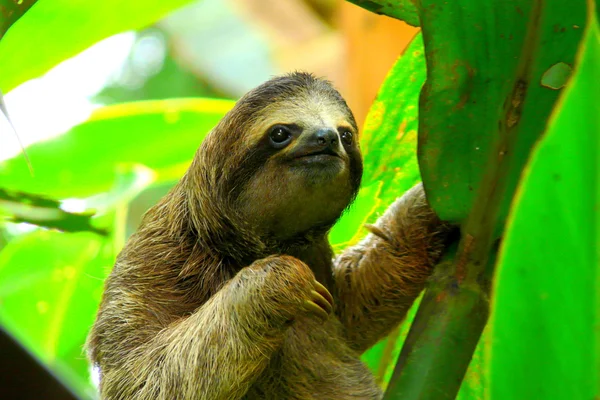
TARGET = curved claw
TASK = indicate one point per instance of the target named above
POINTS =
(322, 290)
(314, 308)
(321, 301)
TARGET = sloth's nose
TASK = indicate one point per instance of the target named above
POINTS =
(327, 138)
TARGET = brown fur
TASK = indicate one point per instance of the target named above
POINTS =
(211, 298)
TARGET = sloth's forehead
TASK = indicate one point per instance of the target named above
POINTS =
(309, 114)
(306, 115)
(313, 109)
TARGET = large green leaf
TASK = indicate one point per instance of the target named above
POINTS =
(486, 63)
(163, 135)
(388, 143)
(50, 288)
(544, 319)
(390, 133)
(485, 102)
(54, 30)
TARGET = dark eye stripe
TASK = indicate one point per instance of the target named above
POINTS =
(255, 159)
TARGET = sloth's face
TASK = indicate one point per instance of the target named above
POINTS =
(310, 170)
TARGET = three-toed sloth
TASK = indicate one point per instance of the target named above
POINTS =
(229, 288)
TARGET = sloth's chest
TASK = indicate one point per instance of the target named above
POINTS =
(315, 363)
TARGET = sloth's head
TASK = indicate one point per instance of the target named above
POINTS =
(287, 157)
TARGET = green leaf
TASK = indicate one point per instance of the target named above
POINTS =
(388, 142)
(390, 132)
(348, 230)
(486, 63)
(54, 30)
(481, 110)
(54, 280)
(162, 135)
(404, 10)
(545, 311)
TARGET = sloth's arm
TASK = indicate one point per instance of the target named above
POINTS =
(378, 280)
(218, 351)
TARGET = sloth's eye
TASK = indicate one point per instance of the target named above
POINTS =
(279, 135)
(347, 137)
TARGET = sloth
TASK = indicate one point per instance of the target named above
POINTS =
(229, 289)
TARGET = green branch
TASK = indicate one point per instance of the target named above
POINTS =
(441, 339)
(44, 212)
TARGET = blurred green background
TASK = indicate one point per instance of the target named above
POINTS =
(111, 99)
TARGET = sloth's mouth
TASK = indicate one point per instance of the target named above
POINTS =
(321, 154)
